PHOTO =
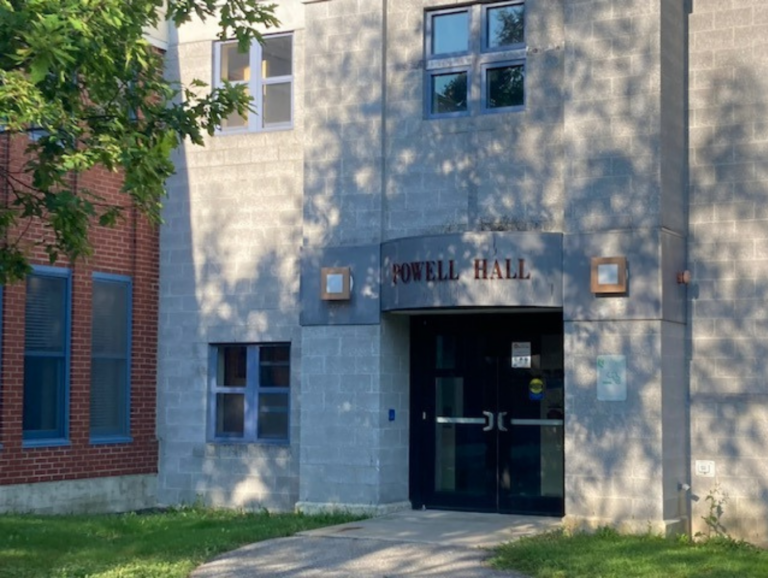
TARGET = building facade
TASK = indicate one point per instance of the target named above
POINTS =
(79, 366)
(497, 256)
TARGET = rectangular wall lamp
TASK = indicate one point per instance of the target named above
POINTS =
(609, 275)
(335, 284)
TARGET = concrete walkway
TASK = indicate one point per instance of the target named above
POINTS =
(409, 543)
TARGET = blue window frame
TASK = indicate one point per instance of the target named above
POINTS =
(45, 419)
(249, 392)
(111, 308)
(475, 59)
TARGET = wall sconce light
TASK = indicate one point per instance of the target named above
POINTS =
(335, 284)
(609, 275)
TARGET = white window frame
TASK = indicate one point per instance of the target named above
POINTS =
(476, 62)
(252, 390)
(255, 85)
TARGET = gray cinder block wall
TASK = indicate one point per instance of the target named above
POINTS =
(483, 172)
(625, 195)
(600, 154)
(229, 274)
(355, 372)
(728, 256)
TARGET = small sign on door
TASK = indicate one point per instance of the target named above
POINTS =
(521, 354)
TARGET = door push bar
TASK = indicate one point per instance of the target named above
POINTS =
(490, 420)
(500, 421)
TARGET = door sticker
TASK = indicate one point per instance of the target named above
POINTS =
(536, 389)
(521, 354)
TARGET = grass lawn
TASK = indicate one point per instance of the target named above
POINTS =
(154, 545)
(607, 554)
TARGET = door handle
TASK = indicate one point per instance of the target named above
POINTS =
(501, 421)
(489, 425)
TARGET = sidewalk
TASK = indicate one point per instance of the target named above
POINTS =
(409, 543)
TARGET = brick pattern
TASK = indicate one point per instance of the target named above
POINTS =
(129, 249)
(729, 257)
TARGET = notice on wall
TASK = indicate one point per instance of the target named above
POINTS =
(611, 378)
(521, 354)
(705, 468)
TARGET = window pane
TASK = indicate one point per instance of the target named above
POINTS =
(275, 353)
(449, 92)
(232, 365)
(274, 366)
(446, 352)
(43, 396)
(234, 64)
(109, 324)
(505, 26)
(276, 57)
(45, 314)
(236, 120)
(275, 376)
(450, 33)
(505, 86)
(276, 103)
(273, 416)
(230, 415)
(109, 397)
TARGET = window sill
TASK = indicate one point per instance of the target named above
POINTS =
(45, 443)
(247, 131)
(503, 109)
(448, 115)
(247, 450)
(240, 442)
(106, 440)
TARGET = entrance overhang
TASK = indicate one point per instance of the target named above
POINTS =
(472, 270)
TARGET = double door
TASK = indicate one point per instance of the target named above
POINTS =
(487, 422)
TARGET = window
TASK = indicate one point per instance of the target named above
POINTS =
(110, 358)
(267, 72)
(250, 392)
(475, 59)
(46, 356)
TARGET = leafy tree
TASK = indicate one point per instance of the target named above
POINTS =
(509, 28)
(451, 95)
(79, 76)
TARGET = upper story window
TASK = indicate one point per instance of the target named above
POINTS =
(267, 71)
(475, 59)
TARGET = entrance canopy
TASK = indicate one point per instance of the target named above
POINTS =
(473, 270)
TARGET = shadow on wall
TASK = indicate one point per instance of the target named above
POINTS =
(728, 321)
(232, 239)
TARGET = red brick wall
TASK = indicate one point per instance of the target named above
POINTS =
(130, 249)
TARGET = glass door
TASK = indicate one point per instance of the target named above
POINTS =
(487, 429)
(530, 425)
(461, 469)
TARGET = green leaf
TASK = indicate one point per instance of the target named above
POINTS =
(82, 72)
